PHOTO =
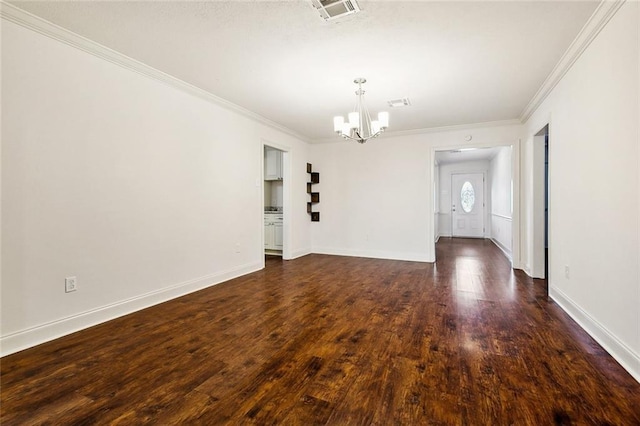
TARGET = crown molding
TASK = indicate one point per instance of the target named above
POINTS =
(27, 20)
(456, 127)
(428, 130)
(600, 17)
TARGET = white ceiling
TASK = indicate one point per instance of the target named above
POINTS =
(458, 62)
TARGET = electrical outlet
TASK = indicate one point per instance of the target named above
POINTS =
(70, 284)
(237, 248)
(566, 271)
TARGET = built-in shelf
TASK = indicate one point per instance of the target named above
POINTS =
(315, 196)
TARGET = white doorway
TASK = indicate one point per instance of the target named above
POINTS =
(500, 164)
(276, 199)
(467, 205)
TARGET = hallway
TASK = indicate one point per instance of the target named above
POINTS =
(334, 340)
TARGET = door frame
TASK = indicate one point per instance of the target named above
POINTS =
(484, 201)
(539, 225)
(286, 198)
(515, 145)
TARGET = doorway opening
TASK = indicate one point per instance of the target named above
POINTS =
(473, 194)
(276, 199)
(540, 249)
(546, 204)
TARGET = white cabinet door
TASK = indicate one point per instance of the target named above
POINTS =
(277, 238)
(467, 205)
(272, 164)
(269, 236)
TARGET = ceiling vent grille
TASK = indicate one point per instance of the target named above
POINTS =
(334, 9)
(397, 103)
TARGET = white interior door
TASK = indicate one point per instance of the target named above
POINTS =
(467, 205)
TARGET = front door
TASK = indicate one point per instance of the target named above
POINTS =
(467, 205)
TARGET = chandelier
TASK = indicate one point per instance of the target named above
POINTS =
(360, 128)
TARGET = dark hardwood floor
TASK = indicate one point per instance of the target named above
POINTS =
(334, 340)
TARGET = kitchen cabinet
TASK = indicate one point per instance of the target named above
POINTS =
(272, 164)
(277, 237)
(273, 239)
(269, 236)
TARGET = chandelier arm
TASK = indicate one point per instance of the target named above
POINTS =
(361, 139)
(352, 138)
(367, 120)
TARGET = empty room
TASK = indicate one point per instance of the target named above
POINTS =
(332, 212)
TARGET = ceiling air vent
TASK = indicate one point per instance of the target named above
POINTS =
(396, 103)
(334, 9)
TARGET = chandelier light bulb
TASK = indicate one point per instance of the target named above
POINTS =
(338, 123)
(383, 118)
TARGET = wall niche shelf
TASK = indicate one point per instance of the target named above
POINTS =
(315, 196)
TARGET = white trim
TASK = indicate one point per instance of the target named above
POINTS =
(374, 254)
(509, 218)
(299, 253)
(502, 248)
(27, 20)
(287, 196)
(629, 360)
(457, 127)
(42, 333)
(603, 13)
(427, 130)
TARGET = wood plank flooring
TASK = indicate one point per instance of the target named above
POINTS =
(337, 341)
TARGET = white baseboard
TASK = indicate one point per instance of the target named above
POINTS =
(374, 254)
(516, 265)
(33, 336)
(299, 253)
(502, 248)
(629, 360)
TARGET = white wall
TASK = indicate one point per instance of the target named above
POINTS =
(593, 115)
(376, 199)
(373, 199)
(500, 191)
(140, 190)
(446, 170)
